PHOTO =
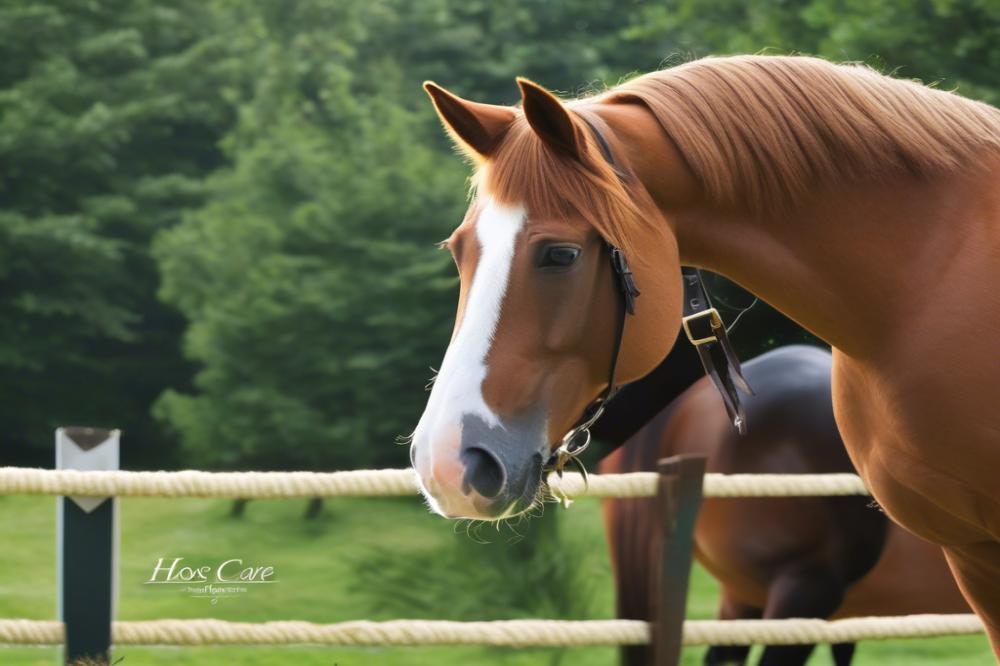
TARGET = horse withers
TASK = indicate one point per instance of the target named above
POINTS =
(822, 557)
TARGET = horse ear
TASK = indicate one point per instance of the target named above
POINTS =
(475, 126)
(549, 118)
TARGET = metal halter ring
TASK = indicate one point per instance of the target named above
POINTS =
(574, 442)
(566, 455)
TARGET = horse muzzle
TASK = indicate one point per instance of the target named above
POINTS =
(481, 471)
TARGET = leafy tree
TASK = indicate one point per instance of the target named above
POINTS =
(953, 42)
(298, 251)
(315, 293)
(316, 298)
(104, 138)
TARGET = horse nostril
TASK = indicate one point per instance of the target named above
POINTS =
(483, 472)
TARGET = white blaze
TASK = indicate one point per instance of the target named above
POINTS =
(457, 390)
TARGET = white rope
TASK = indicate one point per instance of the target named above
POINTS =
(385, 482)
(800, 631)
(193, 483)
(643, 484)
(30, 632)
(510, 633)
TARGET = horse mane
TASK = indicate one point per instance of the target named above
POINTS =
(762, 132)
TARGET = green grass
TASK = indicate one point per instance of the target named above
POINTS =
(321, 572)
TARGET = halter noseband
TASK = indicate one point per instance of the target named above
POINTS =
(702, 324)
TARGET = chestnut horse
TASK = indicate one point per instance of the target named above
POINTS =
(864, 207)
(776, 558)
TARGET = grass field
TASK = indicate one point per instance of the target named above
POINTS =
(368, 558)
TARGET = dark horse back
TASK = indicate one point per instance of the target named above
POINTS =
(812, 547)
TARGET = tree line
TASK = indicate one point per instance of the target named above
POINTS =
(218, 218)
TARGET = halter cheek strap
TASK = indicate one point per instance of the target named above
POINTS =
(578, 439)
(702, 324)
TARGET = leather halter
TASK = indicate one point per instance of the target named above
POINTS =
(578, 439)
(702, 324)
(706, 331)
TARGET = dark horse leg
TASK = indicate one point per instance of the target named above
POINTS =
(806, 592)
(731, 655)
(843, 653)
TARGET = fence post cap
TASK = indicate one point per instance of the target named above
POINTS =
(90, 450)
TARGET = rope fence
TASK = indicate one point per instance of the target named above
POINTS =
(503, 633)
(508, 633)
(388, 483)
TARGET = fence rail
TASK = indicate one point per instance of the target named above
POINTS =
(502, 633)
(387, 482)
(88, 536)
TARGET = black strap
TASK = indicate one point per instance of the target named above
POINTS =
(707, 333)
(577, 439)
(626, 306)
(701, 322)
(605, 147)
(623, 277)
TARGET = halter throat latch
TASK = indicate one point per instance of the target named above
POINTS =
(704, 328)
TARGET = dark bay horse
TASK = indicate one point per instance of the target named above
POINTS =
(865, 208)
(775, 558)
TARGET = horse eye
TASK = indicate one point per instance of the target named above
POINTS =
(559, 256)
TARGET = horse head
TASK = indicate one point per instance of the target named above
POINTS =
(539, 309)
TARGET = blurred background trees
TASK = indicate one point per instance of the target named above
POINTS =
(217, 218)
(110, 122)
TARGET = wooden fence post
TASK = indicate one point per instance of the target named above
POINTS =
(87, 532)
(678, 500)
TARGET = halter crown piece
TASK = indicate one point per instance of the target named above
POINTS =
(702, 324)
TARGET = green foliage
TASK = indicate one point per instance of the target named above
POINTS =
(316, 298)
(315, 293)
(316, 563)
(953, 42)
(531, 569)
(266, 181)
(104, 139)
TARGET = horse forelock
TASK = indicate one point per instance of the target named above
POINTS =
(525, 171)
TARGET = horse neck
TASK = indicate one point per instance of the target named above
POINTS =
(852, 264)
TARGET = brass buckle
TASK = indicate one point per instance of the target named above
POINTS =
(716, 324)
